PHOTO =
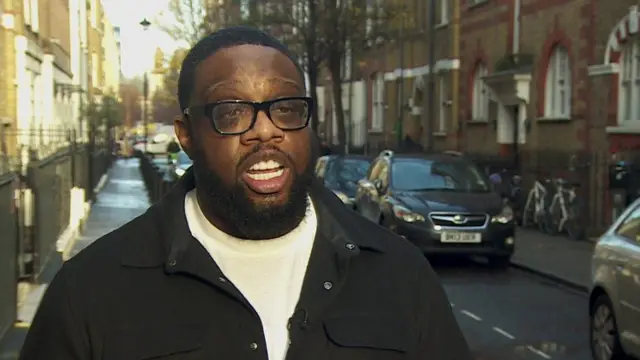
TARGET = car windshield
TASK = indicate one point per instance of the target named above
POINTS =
(429, 175)
(183, 159)
(347, 170)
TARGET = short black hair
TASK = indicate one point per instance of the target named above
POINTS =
(221, 39)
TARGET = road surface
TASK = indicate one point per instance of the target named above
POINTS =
(512, 315)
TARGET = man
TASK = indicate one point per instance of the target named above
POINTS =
(246, 258)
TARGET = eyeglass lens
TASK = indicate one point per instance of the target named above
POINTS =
(286, 114)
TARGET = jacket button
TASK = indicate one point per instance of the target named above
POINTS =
(328, 285)
(253, 346)
(350, 246)
(222, 280)
(172, 263)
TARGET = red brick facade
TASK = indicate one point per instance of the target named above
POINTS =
(583, 28)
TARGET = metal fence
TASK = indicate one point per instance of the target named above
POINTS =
(154, 177)
(8, 251)
(35, 204)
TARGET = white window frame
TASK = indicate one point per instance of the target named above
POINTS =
(35, 16)
(629, 91)
(480, 95)
(557, 101)
(444, 12)
(378, 89)
(26, 12)
(442, 109)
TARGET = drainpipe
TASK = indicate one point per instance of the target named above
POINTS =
(431, 84)
(400, 87)
(455, 73)
(515, 46)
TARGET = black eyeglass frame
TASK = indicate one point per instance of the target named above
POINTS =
(205, 110)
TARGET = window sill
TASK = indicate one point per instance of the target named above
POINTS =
(439, 134)
(554, 119)
(443, 24)
(624, 129)
(478, 121)
(476, 4)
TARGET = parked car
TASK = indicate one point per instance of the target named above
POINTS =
(443, 203)
(341, 173)
(179, 166)
(614, 303)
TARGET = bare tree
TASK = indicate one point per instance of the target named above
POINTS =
(187, 22)
(331, 34)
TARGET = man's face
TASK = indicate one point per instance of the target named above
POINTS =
(252, 185)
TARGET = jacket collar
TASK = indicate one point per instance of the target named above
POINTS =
(169, 239)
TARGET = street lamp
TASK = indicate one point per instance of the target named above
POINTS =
(145, 92)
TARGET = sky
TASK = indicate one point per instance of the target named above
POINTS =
(139, 47)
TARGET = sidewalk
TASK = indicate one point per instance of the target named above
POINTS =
(555, 257)
(122, 198)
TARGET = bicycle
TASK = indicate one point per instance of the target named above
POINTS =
(565, 210)
(535, 212)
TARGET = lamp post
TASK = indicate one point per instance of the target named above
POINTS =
(145, 92)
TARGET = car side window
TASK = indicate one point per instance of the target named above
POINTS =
(630, 227)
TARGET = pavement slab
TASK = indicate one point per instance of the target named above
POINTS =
(556, 257)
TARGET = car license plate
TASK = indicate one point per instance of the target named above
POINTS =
(460, 237)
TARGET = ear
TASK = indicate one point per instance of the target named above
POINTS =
(183, 133)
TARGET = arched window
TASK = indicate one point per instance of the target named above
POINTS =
(557, 101)
(629, 109)
(480, 105)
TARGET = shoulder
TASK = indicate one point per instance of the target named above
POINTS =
(101, 261)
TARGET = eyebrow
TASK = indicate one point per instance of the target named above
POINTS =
(278, 81)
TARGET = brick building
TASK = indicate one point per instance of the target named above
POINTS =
(558, 70)
(395, 74)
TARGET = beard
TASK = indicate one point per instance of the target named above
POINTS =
(243, 217)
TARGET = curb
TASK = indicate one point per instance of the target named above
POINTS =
(568, 283)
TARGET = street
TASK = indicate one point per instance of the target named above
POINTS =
(505, 315)
(514, 315)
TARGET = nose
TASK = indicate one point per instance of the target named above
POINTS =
(263, 130)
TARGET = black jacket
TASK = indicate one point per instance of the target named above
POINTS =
(150, 291)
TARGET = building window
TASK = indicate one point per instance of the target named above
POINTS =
(377, 120)
(558, 85)
(442, 116)
(444, 12)
(94, 70)
(480, 105)
(629, 107)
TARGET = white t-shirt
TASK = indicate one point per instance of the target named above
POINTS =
(268, 273)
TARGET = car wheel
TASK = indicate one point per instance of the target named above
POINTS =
(603, 335)
(500, 262)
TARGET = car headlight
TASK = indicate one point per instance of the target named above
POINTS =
(180, 171)
(505, 216)
(405, 214)
(343, 197)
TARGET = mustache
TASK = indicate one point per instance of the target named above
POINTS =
(262, 147)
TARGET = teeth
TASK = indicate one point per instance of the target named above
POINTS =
(266, 165)
(266, 175)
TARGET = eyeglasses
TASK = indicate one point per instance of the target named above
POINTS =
(236, 117)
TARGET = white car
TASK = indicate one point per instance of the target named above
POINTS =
(614, 303)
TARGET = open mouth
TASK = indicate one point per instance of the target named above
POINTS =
(266, 176)
(265, 170)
